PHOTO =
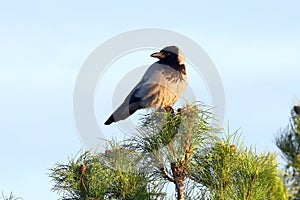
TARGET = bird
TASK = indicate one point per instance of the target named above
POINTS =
(162, 84)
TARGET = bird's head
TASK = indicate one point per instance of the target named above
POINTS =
(170, 55)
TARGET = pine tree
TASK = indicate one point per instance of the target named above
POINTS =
(288, 142)
(181, 147)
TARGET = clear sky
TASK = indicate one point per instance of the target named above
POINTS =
(255, 46)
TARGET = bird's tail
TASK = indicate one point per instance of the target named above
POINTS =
(110, 120)
(121, 113)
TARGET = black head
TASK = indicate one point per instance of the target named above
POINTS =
(170, 55)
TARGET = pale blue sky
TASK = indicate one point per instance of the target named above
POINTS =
(255, 46)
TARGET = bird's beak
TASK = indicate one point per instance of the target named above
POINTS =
(158, 55)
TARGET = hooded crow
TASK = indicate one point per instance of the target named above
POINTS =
(161, 86)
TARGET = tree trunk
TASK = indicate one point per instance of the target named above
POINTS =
(178, 178)
(179, 189)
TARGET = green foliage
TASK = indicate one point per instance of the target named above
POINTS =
(181, 147)
(101, 176)
(168, 141)
(187, 142)
(229, 171)
(288, 141)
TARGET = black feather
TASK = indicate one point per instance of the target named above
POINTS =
(134, 98)
(297, 109)
(110, 120)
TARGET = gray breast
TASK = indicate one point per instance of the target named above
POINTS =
(170, 85)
